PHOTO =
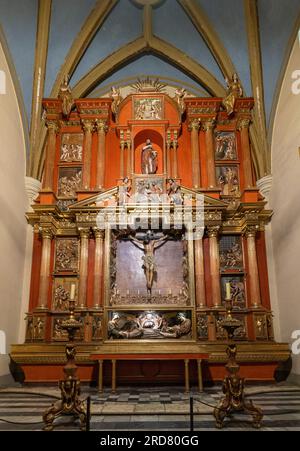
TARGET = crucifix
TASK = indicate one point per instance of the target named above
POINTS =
(149, 245)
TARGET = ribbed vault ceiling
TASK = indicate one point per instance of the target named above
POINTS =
(192, 42)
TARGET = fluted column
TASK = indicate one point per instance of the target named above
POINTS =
(253, 267)
(98, 268)
(208, 128)
(83, 269)
(122, 153)
(101, 128)
(45, 269)
(175, 156)
(53, 129)
(194, 127)
(129, 164)
(168, 154)
(214, 265)
(86, 176)
(199, 272)
(243, 127)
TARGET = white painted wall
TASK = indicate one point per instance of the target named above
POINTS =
(13, 202)
(285, 201)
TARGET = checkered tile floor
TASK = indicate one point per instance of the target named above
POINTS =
(150, 409)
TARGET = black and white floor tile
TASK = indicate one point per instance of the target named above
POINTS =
(150, 409)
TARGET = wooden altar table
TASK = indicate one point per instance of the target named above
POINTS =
(184, 357)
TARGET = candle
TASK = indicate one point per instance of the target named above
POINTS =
(228, 290)
(72, 293)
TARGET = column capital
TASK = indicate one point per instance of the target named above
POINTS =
(101, 126)
(87, 125)
(46, 233)
(208, 124)
(243, 123)
(53, 127)
(99, 233)
(195, 124)
(251, 231)
(84, 232)
(213, 231)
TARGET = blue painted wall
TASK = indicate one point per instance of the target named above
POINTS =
(67, 18)
(228, 20)
(173, 25)
(19, 20)
(121, 27)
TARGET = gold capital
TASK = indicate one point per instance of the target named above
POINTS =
(251, 231)
(208, 125)
(53, 127)
(99, 233)
(88, 126)
(213, 231)
(84, 233)
(101, 126)
(243, 123)
(195, 124)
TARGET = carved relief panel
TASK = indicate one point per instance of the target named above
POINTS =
(35, 328)
(148, 325)
(66, 255)
(61, 293)
(225, 146)
(71, 147)
(231, 253)
(148, 108)
(69, 181)
(228, 180)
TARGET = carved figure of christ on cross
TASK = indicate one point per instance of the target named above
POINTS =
(149, 246)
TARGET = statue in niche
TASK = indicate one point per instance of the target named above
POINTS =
(149, 245)
(234, 91)
(182, 328)
(65, 95)
(149, 159)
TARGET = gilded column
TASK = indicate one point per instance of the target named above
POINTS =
(208, 128)
(168, 150)
(45, 269)
(98, 268)
(129, 164)
(175, 156)
(214, 265)
(194, 127)
(83, 269)
(86, 176)
(199, 272)
(253, 267)
(243, 127)
(122, 147)
(53, 129)
(101, 128)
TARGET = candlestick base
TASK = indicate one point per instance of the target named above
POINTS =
(234, 399)
(69, 403)
(233, 385)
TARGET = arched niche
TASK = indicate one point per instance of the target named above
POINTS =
(139, 142)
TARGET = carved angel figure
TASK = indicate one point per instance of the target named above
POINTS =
(180, 93)
(65, 95)
(234, 91)
(117, 99)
